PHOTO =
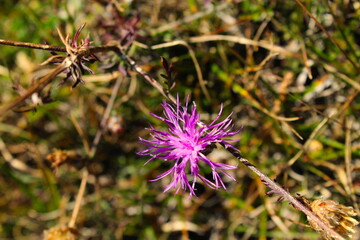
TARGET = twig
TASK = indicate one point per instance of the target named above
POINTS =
(82, 52)
(34, 88)
(146, 76)
(337, 24)
(236, 39)
(306, 62)
(243, 92)
(32, 45)
(345, 78)
(285, 194)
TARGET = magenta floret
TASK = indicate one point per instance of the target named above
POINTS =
(185, 142)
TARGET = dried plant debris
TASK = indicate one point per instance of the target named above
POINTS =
(71, 157)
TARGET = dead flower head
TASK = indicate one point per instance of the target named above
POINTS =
(335, 215)
(76, 57)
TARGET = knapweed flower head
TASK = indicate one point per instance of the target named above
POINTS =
(185, 144)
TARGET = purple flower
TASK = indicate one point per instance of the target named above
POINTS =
(185, 144)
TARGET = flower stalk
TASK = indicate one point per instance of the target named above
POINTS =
(285, 194)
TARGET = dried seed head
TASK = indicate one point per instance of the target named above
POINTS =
(335, 215)
(77, 56)
(60, 232)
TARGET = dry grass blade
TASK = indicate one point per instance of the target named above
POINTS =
(79, 198)
(306, 63)
(245, 41)
(348, 166)
(82, 135)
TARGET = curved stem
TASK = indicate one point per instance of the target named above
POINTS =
(144, 74)
(285, 194)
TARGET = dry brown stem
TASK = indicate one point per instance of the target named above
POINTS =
(286, 195)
